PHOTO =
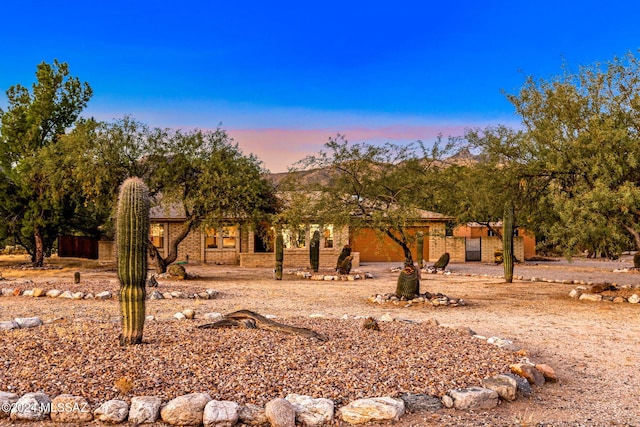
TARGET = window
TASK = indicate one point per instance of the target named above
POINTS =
(229, 236)
(326, 233)
(157, 235)
(220, 238)
(211, 238)
(295, 238)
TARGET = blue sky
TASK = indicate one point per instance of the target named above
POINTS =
(282, 76)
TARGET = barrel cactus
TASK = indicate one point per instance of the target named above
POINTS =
(279, 254)
(507, 243)
(132, 233)
(408, 282)
(314, 251)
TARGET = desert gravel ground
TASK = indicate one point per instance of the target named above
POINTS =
(593, 346)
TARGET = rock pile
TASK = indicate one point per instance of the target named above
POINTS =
(605, 292)
(435, 300)
(355, 275)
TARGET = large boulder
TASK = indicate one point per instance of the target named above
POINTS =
(221, 413)
(374, 409)
(312, 412)
(112, 411)
(31, 407)
(185, 410)
(144, 409)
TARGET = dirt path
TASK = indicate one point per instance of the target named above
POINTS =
(593, 346)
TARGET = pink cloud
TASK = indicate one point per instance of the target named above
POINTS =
(281, 148)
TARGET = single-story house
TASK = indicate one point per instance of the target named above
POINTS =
(238, 244)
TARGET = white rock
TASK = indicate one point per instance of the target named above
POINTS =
(54, 293)
(280, 413)
(89, 296)
(31, 407)
(66, 294)
(386, 318)
(6, 403)
(180, 316)
(591, 297)
(500, 342)
(575, 293)
(252, 415)
(221, 413)
(212, 293)
(150, 318)
(474, 398)
(189, 313)
(28, 322)
(78, 295)
(144, 409)
(213, 316)
(104, 295)
(28, 293)
(375, 409)
(447, 401)
(317, 316)
(66, 408)
(8, 325)
(634, 299)
(112, 411)
(312, 412)
(185, 410)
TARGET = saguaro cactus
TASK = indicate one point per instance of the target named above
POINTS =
(132, 233)
(279, 254)
(314, 251)
(420, 248)
(507, 242)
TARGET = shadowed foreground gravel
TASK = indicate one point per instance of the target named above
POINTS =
(246, 366)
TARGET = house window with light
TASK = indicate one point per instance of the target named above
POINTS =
(229, 236)
(211, 238)
(157, 235)
(221, 238)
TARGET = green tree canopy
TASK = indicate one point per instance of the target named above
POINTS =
(583, 140)
(34, 204)
(382, 187)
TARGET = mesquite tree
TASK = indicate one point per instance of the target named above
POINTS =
(132, 231)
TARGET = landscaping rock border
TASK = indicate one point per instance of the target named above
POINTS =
(200, 408)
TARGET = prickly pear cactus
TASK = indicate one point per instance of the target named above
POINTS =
(132, 233)
(314, 251)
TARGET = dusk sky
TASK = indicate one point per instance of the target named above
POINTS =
(282, 77)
